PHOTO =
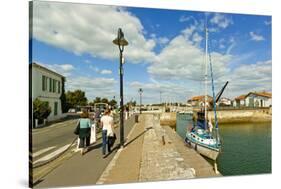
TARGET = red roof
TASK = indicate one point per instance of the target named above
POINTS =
(263, 93)
(202, 98)
(241, 97)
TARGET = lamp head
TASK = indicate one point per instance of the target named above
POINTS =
(120, 40)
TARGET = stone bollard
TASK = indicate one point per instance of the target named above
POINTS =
(163, 140)
(36, 123)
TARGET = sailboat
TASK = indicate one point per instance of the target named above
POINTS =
(201, 136)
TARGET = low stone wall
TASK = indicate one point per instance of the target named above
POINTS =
(168, 118)
(235, 116)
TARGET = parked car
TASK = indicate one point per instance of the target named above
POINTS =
(72, 110)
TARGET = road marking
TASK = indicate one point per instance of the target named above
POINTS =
(42, 151)
(51, 155)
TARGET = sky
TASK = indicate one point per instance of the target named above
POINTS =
(166, 52)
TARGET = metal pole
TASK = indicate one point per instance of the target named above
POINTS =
(121, 101)
(140, 102)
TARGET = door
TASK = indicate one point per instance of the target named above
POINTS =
(56, 109)
(251, 102)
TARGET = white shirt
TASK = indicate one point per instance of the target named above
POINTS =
(107, 124)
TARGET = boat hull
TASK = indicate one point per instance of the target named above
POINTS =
(207, 152)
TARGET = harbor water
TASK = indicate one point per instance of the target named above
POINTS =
(246, 146)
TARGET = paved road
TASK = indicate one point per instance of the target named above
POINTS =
(57, 134)
(82, 170)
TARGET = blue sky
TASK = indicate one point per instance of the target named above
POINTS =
(165, 52)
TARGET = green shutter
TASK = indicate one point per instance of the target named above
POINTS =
(54, 85)
(56, 108)
(43, 82)
(50, 85)
(58, 87)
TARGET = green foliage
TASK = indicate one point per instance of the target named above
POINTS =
(104, 100)
(112, 103)
(41, 109)
(97, 100)
(75, 98)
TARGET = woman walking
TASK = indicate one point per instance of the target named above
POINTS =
(107, 130)
(84, 132)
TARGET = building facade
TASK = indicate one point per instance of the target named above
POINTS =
(198, 101)
(46, 85)
(254, 100)
(258, 99)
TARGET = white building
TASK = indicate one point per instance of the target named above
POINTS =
(47, 86)
(224, 102)
(258, 99)
(254, 99)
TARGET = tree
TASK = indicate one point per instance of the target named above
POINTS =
(97, 100)
(41, 110)
(76, 98)
(112, 103)
(104, 100)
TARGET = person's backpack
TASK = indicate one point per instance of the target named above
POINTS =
(76, 131)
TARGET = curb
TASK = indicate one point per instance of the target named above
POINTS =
(112, 163)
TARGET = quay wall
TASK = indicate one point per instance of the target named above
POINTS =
(225, 116)
(168, 118)
(240, 115)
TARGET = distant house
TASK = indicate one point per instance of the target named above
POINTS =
(224, 101)
(254, 99)
(239, 101)
(258, 99)
(198, 101)
(46, 85)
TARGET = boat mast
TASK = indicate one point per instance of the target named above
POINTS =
(206, 72)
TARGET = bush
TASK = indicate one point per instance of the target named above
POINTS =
(41, 110)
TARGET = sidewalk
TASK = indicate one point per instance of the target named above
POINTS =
(154, 153)
(125, 165)
(83, 170)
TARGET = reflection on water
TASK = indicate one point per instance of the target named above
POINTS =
(246, 146)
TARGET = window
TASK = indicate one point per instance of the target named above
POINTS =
(54, 85)
(50, 85)
(44, 83)
(56, 108)
(58, 87)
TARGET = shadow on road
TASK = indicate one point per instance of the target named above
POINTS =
(137, 136)
(99, 145)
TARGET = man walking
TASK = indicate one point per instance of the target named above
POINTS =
(107, 130)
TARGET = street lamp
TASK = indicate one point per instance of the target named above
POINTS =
(140, 91)
(120, 41)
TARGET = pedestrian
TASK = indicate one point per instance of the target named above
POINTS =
(84, 132)
(97, 117)
(107, 130)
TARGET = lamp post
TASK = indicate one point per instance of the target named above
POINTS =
(140, 91)
(120, 41)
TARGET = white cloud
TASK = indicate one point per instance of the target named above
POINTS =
(102, 87)
(249, 77)
(231, 46)
(83, 28)
(87, 61)
(184, 18)
(221, 20)
(170, 91)
(63, 69)
(267, 23)
(183, 60)
(94, 68)
(256, 37)
(106, 72)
